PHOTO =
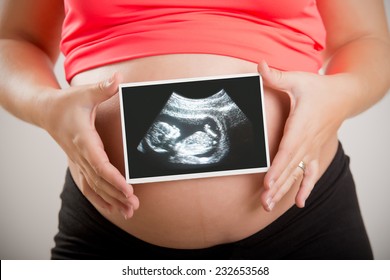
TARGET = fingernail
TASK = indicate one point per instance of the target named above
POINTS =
(265, 66)
(123, 212)
(304, 202)
(109, 81)
(270, 203)
(271, 183)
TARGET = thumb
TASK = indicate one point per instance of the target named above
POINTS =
(279, 80)
(274, 78)
(105, 89)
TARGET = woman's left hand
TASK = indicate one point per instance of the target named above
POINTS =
(316, 113)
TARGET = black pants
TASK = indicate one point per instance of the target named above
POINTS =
(329, 227)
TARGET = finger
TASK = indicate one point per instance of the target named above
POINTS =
(275, 195)
(92, 150)
(92, 195)
(108, 173)
(97, 192)
(115, 203)
(288, 170)
(290, 152)
(101, 186)
(105, 89)
(287, 175)
(107, 189)
(127, 212)
(309, 180)
(104, 178)
(281, 81)
(295, 177)
(284, 170)
(273, 77)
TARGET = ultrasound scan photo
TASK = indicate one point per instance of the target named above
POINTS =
(196, 131)
(193, 129)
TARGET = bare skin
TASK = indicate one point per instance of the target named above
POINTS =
(84, 120)
(219, 202)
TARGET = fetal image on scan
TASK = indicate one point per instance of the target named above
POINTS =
(196, 132)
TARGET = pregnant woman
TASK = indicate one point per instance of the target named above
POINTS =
(305, 206)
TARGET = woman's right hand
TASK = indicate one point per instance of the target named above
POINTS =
(69, 117)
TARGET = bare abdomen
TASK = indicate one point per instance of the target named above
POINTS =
(194, 213)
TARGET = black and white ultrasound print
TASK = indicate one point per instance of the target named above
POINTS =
(193, 129)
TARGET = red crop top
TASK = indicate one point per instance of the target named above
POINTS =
(289, 35)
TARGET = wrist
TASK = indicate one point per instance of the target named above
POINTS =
(43, 105)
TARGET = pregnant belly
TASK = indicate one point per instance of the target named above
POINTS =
(194, 213)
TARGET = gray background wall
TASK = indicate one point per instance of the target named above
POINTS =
(32, 169)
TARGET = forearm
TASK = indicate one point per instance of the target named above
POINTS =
(26, 80)
(362, 69)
